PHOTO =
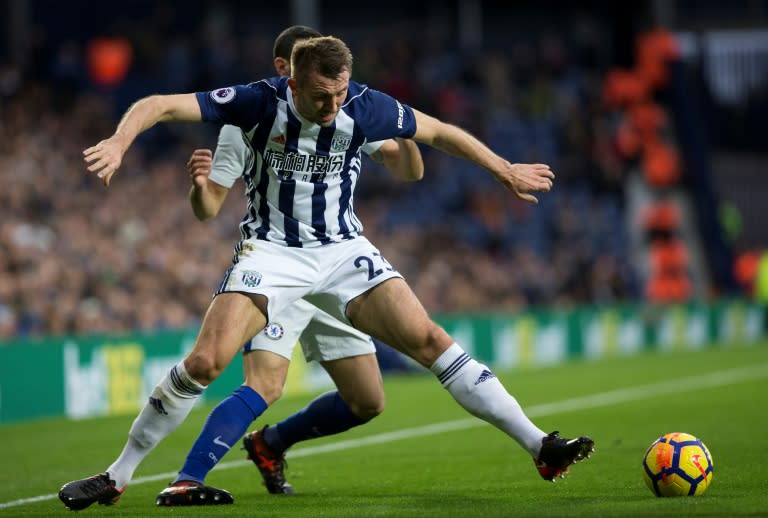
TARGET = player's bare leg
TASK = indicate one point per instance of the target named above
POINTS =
(359, 382)
(266, 372)
(231, 320)
(360, 398)
(392, 313)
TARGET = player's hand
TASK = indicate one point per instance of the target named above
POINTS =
(199, 166)
(105, 158)
(524, 179)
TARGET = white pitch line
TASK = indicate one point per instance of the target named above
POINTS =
(601, 399)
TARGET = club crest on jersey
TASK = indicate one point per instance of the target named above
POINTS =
(251, 279)
(223, 95)
(274, 331)
(341, 142)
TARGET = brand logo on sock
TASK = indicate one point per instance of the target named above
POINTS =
(157, 405)
(217, 440)
(484, 376)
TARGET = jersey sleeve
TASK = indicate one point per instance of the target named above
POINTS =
(242, 105)
(370, 148)
(232, 157)
(383, 117)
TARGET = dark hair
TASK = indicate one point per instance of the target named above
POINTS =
(286, 39)
(326, 55)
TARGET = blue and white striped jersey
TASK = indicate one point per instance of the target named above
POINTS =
(234, 157)
(300, 188)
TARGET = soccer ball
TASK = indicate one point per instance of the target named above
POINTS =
(677, 464)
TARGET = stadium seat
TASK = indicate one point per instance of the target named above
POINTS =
(661, 217)
(668, 257)
(669, 288)
(661, 164)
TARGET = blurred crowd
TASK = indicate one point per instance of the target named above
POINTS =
(76, 257)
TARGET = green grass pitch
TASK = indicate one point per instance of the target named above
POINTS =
(425, 457)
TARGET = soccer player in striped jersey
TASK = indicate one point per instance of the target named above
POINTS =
(346, 354)
(300, 237)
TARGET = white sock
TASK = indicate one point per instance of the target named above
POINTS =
(475, 388)
(169, 404)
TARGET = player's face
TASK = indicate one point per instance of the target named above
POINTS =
(318, 99)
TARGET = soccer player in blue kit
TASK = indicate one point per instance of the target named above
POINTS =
(302, 240)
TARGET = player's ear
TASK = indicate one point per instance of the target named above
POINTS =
(292, 84)
(282, 66)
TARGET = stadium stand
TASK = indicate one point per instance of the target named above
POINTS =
(74, 257)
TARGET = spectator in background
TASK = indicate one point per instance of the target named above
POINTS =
(499, 237)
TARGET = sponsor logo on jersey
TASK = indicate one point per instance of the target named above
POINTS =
(302, 163)
(251, 279)
(400, 115)
(223, 95)
(274, 331)
(341, 142)
(280, 139)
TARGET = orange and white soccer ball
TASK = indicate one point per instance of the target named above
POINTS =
(677, 464)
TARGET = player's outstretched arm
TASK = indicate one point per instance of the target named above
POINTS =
(521, 179)
(105, 158)
(402, 158)
(205, 196)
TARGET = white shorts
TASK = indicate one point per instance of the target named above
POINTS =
(327, 276)
(322, 337)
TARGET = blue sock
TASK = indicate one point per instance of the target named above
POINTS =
(327, 414)
(225, 425)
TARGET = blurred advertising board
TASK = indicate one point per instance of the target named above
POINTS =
(82, 377)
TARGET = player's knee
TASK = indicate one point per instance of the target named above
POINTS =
(434, 341)
(368, 412)
(269, 392)
(437, 337)
(368, 408)
(203, 368)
